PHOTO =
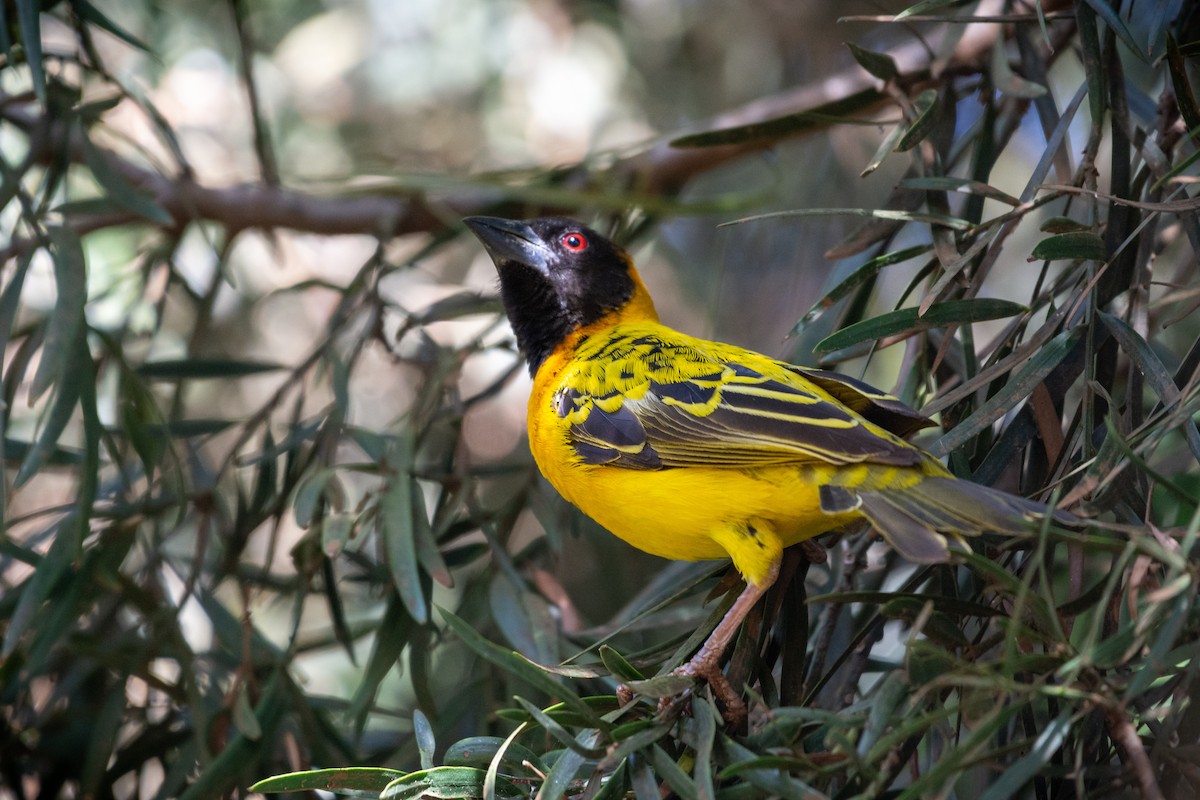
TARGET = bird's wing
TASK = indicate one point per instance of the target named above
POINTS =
(647, 403)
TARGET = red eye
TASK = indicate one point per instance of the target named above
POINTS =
(575, 242)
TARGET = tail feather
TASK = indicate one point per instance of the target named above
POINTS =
(916, 519)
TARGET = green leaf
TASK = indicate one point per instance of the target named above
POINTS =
(1019, 387)
(478, 751)
(925, 6)
(1148, 363)
(66, 322)
(566, 768)
(772, 130)
(345, 780)
(1063, 225)
(560, 734)
(135, 201)
(924, 117)
(881, 65)
(1083, 245)
(424, 736)
(446, 783)
(309, 494)
(1013, 780)
(53, 423)
(190, 428)
(29, 19)
(394, 633)
(458, 305)
(668, 769)
(1182, 86)
(857, 278)
(910, 320)
(522, 668)
(1007, 81)
(183, 368)
(618, 666)
(1093, 63)
(89, 13)
(886, 147)
(662, 686)
(241, 754)
(396, 523)
(878, 213)
(944, 183)
(1107, 13)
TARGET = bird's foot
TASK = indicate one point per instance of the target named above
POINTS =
(733, 707)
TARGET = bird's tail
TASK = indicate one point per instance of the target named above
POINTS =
(916, 519)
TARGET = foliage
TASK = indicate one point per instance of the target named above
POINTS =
(228, 556)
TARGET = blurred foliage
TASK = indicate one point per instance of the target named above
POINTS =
(267, 507)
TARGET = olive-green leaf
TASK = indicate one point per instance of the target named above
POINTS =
(445, 783)
(1083, 245)
(344, 780)
(120, 190)
(788, 125)
(177, 368)
(521, 667)
(925, 111)
(66, 322)
(1019, 387)
(881, 65)
(478, 751)
(396, 526)
(910, 320)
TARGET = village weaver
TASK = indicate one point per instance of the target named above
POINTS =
(692, 449)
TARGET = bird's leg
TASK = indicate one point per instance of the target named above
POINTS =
(706, 666)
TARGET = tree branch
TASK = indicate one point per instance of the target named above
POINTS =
(662, 169)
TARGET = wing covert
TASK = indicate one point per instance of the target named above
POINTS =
(685, 407)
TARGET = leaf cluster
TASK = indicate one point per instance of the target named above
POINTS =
(195, 531)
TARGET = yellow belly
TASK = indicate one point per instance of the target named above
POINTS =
(683, 514)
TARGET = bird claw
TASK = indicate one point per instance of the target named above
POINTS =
(733, 708)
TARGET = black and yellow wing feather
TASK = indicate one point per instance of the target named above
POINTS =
(639, 401)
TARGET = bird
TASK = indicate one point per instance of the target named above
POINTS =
(693, 449)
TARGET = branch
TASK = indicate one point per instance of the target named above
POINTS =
(659, 170)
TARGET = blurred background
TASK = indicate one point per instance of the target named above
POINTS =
(262, 415)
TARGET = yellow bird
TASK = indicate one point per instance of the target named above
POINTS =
(692, 449)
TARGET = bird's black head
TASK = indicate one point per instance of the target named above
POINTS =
(556, 276)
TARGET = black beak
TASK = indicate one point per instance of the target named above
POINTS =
(511, 241)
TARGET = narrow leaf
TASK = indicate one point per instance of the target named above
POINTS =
(925, 115)
(885, 149)
(878, 213)
(479, 751)
(522, 668)
(445, 783)
(881, 65)
(1148, 363)
(366, 779)
(926, 6)
(175, 369)
(857, 278)
(1007, 81)
(947, 184)
(120, 190)
(1107, 13)
(1014, 779)
(66, 322)
(1019, 387)
(29, 19)
(396, 527)
(1082, 245)
(1184, 96)
(782, 127)
(910, 320)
